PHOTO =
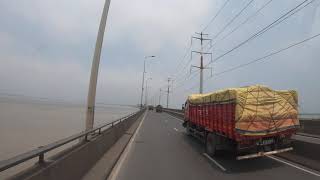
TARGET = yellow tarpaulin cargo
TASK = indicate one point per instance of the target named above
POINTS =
(259, 109)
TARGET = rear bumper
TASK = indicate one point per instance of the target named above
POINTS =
(259, 154)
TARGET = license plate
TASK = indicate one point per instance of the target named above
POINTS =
(265, 142)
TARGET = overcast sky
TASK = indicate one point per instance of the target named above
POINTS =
(46, 48)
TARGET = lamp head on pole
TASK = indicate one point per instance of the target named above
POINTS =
(149, 56)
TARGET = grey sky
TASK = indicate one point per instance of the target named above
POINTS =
(46, 47)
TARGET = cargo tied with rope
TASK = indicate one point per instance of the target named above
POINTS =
(254, 116)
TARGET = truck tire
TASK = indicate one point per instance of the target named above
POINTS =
(211, 144)
(188, 131)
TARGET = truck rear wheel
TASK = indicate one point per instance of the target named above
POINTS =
(211, 144)
(188, 129)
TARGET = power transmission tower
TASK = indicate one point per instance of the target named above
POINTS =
(201, 67)
(168, 91)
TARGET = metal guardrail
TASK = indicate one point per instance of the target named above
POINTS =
(175, 112)
(309, 116)
(302, 116)
(39, 152)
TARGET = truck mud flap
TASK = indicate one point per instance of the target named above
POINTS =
(184, 124)
(259, 154)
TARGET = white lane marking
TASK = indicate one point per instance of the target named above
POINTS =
(115, 172)
(308, 139)
(293, 165)
(176, 118)
(176, 129)
(215, 162)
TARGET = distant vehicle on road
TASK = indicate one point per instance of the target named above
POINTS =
(150, 107)
(159, 108)
(252, 121)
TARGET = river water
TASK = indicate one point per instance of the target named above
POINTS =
(27, 124)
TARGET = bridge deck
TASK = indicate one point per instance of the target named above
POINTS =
(161, 150)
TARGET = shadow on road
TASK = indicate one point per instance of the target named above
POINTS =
(228, 159)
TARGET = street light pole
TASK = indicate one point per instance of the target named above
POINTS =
(160, 97)
(168, 91)
(142, 88)
(144, 71)
(146, 94)
(95, 68)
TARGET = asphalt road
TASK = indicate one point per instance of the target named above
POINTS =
(312, 140)
(162, 150)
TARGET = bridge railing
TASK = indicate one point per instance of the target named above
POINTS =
(40, 152)
(309, 122)
(309, 116)
(302, 116)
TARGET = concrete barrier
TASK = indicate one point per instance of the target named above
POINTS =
(74, 162)
(174, 112)
(304, 153)
(310, 126)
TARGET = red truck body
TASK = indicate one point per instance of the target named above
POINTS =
(220, 118)
(253, 120)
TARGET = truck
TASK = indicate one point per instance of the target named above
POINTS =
(250, 121)
(150, 107)
(159, 109)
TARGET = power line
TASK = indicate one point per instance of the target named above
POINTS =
(183, 57)
(273, 24)
(216, 15)
(184, 66)
(266, 56)
(265, 29)
(219, 11)
(245, 21)
(231, 21)
(278, 21)
(189, 78)
(182, 78)
(234, 18)
(268, 27)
